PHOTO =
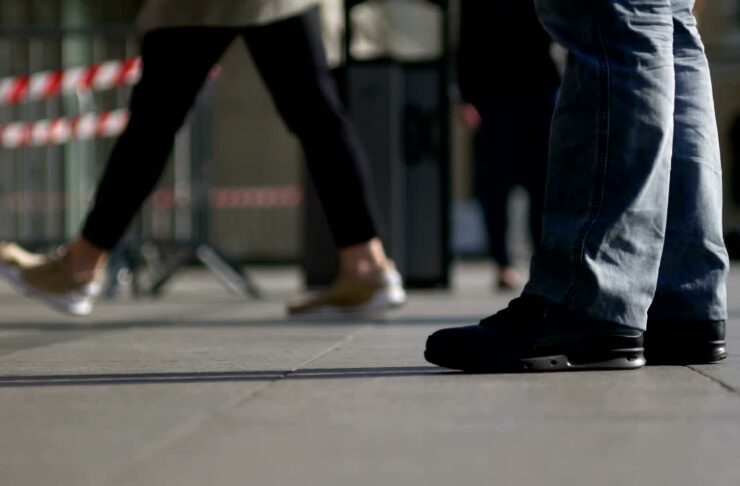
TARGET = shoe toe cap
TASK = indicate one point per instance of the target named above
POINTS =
(457, 340)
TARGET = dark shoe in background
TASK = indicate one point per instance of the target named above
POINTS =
(533, 334)
(677, 342)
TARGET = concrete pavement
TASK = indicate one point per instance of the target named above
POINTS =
(201, 388)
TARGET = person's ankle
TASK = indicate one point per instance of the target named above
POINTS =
(363, 267)
(363, 259)
(83, 260)
(507, 276)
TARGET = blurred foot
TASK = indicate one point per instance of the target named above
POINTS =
(47, 278)
(508, 279)
(355, 296)
(13, 256)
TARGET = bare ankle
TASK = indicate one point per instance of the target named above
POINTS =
(363, 259)
(83, 260)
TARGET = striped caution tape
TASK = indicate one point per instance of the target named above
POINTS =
(62, 130)
(164, 199)
(48, 84)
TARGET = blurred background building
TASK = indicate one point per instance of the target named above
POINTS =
(720, 27)
(255, 162)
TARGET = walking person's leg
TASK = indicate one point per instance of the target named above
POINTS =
(687, 318)
(497, 151)
(176, 63)
(596, 270)
(290, 58)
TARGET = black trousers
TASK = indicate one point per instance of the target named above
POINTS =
(290, 57)
(511, 150)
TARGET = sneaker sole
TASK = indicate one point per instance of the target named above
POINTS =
(707, 353)
(621, 359)
(385, 301)
(76, 306)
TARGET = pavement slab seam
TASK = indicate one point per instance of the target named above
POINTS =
(714, 379)
(192, 426)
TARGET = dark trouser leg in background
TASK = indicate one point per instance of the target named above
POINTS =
(290, 57)
(176, 64)
(496, 145)
(511, 149)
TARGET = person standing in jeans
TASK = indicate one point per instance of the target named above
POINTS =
(183, 41)
(632, 264)
(508, 82)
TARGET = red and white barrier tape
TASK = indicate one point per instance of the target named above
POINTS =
(255, 197)
(48, 84)
(235, 197)
(62, 130)
(238, 197)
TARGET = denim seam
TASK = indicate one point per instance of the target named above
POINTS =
(602, 156)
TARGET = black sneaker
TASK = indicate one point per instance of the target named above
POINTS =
(680, 342)
(533, 334)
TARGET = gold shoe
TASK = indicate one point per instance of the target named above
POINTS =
(44, 277)
(354, 297)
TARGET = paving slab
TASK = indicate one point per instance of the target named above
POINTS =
(408, 423)
(201, 387)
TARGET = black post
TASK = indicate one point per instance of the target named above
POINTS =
(402, 112)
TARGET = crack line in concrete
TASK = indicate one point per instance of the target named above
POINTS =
(716, 380)
(350, 337)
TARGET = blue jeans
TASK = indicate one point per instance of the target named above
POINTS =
(633, 207)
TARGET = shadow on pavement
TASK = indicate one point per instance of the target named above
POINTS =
(17, 381)
(190, 323)
(204, 322)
